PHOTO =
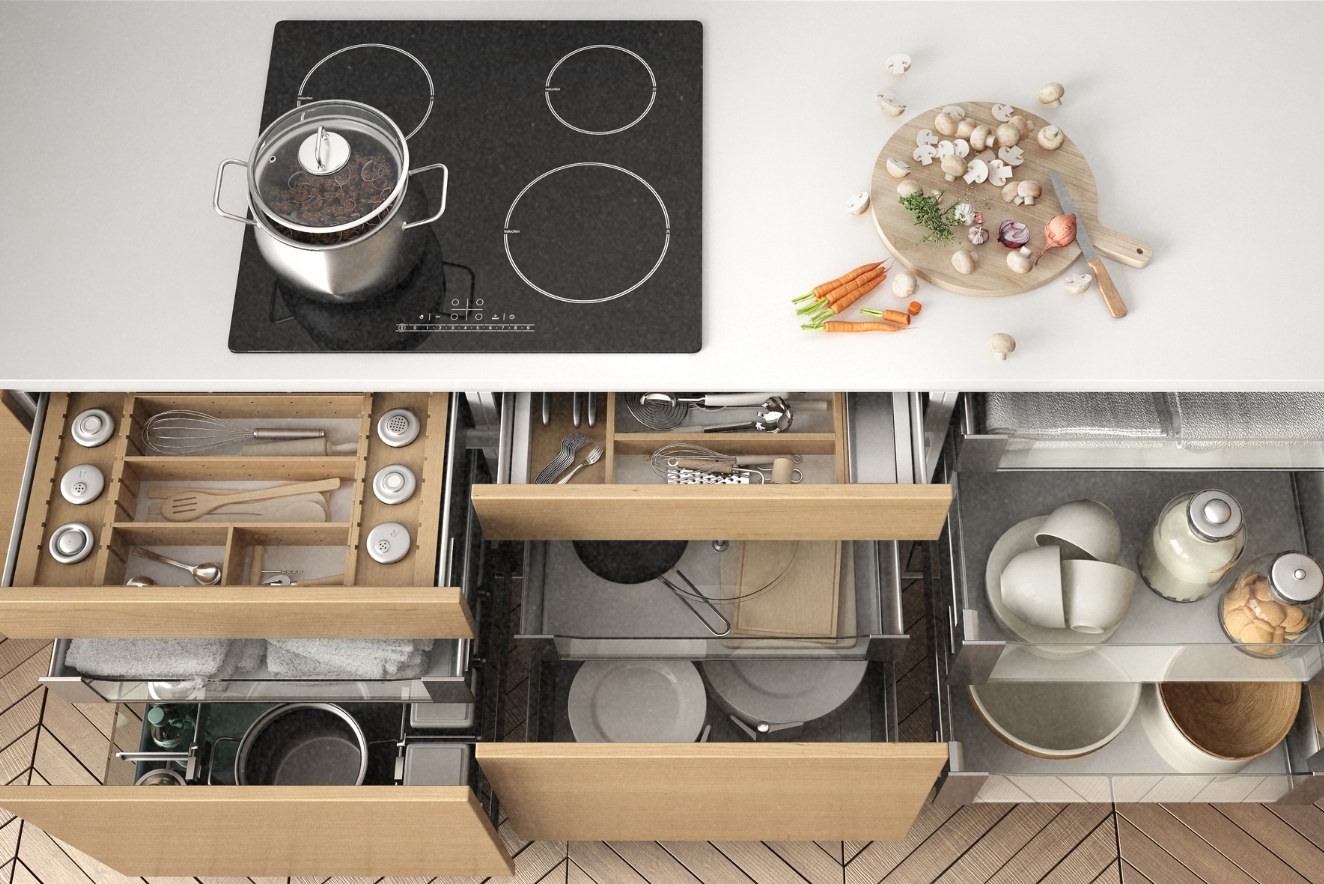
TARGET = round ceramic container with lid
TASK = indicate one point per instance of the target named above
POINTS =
(1195, 541)
(1276, 599)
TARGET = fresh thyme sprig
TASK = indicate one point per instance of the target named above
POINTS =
(930, 214)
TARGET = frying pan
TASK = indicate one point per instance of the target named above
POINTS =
(632, 562)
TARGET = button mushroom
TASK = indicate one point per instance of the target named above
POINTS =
(925, 153)
(965, 127)
(946, 149)
(1001, 344)
(1078, 284)
(858, 203)
(1021, 261)
(964, 261)
(1051, 138)
(896, 168)
(1008, 135)
(944, 123)
(1051, 94)
(1022, 124)
(904, 284)
(999, 173)
(981, 138)
(1003, 112)
(1009, 191)
(976, 171)
(899, 64)
(889, 104)
(952, 166)
(924, 136)
(955, 111)
(1027, 192)
(1012, 156)
(906, 188)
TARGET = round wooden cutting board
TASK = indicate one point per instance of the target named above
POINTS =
(992, 278)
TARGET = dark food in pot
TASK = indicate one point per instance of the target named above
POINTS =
(308, 200)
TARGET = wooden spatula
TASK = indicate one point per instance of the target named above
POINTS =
(189, 505)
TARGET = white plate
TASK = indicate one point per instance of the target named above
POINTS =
(637, 701)
(1044, 641)
(779, 691)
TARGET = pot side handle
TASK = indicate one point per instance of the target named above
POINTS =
(216, 197)
(445, 184)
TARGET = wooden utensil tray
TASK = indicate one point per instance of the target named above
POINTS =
(118, 520)
(817, 437)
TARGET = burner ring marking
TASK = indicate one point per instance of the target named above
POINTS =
(432, 90)
(547, 90)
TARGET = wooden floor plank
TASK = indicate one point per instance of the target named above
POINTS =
(47, 862)
(851, 849)
(878, 858)
(21, 681)
(1223, 835)
(1089, 859)
(809, 860)
(58, 766)
(575, 875)
(834, 849)
(1190, 850)
(1110, 875)
(652, 862)
(602, 863)
(21, 875)
(17, 757)
(101, 716)
(1021, 824)
(14, 651)
(510, 838)
(1305, 818)
(1286, 843)
(759, 862)
(89, 745)
(1046, 849)
(9, 839)
(1149, 859)
(534, 862)
(946, 845)
(705, 862)
(1131, 876)
(20, 718)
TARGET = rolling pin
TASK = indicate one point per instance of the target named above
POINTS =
(314, 447)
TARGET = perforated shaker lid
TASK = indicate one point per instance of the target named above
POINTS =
(1297, 577)
(1214, 514)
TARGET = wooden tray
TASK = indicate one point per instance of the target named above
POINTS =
(804, 600)
(932, 262)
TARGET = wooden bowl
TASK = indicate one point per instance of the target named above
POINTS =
(1234, 721)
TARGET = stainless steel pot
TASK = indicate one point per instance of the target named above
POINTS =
(333, 213)
(302, 744)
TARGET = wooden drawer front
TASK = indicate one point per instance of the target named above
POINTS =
(366, 599)
(732, 512)
(712, 791)
(270, 830)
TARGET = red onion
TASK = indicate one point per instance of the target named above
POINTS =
(1013, 234)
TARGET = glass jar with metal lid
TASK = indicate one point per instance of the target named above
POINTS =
(1276, 600)
(333, 212)
(1196, 540)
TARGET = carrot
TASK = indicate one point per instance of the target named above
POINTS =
(914, 308)
(890, 315)
(870, 279)
(820, 291)
(852, 298)
(843, 326)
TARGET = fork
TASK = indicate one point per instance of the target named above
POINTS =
(589, 460)
(569, 446)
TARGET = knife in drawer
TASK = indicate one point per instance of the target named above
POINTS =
(1111, 297)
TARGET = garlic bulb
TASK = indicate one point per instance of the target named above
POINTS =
(978, 234)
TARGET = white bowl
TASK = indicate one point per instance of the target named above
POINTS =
(1065, 719)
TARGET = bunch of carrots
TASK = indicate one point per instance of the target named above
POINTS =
(831, 298)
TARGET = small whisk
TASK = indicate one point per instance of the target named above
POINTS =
(684, 463)
(184, 432)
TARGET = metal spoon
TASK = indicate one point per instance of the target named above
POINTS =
(591, 458)
(140, 581)
(207, 574)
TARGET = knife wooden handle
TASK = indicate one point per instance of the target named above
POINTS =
(1126, 249)
(1116, 306)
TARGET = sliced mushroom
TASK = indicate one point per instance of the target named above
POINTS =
(952, 167)
(962, 147)
(976, 171)
(1009, 191)
(906, 188)
(1050, 138)
(925, 154)
(1003, 112)
(1051, 94)
(1012, 156)
(1027, 192)
(944, 123)
(1078, 284)
(1008, 135)
(896, 168)
(889, 104)
(904, 284)
(981, 138)
(964, 261)
(965, 127)
(898, 65)
(925, 136)
(1001, 345)
(999, 173)
(946, 149)
(1021, 261)
(858, 203)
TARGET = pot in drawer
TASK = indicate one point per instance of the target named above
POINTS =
(303, 744)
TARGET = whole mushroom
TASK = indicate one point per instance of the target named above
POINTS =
(952, 167)
(1051, 138)
(906, 188)
(944, 123)
(1022, 124)
(1051, 94)
(1009, 134)
(904, 284)
(964, 261)
(981, 138)
(1021, 261)
(965, 128)
(1009, 191)
(1027, 192)
(1001, 344)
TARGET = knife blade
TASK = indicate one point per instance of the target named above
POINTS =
(1111, 297)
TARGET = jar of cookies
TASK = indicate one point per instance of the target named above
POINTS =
(1275, 600)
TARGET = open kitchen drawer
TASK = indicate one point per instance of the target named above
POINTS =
(623, 498)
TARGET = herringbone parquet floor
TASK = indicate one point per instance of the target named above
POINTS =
(45, 740)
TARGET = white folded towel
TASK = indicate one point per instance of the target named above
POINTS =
(305, 658)
(147, 658)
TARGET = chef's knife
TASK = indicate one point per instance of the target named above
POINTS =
(1110, 295)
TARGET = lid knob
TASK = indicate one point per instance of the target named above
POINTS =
(1217, 511)
(1214, 515)
(1297, 577)
(324, 152)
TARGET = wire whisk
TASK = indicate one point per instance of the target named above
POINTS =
(185, 432)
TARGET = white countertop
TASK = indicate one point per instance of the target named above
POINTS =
(1201, 122)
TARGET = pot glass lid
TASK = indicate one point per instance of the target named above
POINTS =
(328, 166)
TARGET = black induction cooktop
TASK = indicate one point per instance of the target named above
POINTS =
(573, 218)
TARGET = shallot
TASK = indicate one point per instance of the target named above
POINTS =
(1058, 232)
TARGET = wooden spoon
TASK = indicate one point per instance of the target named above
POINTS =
(190, 505)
